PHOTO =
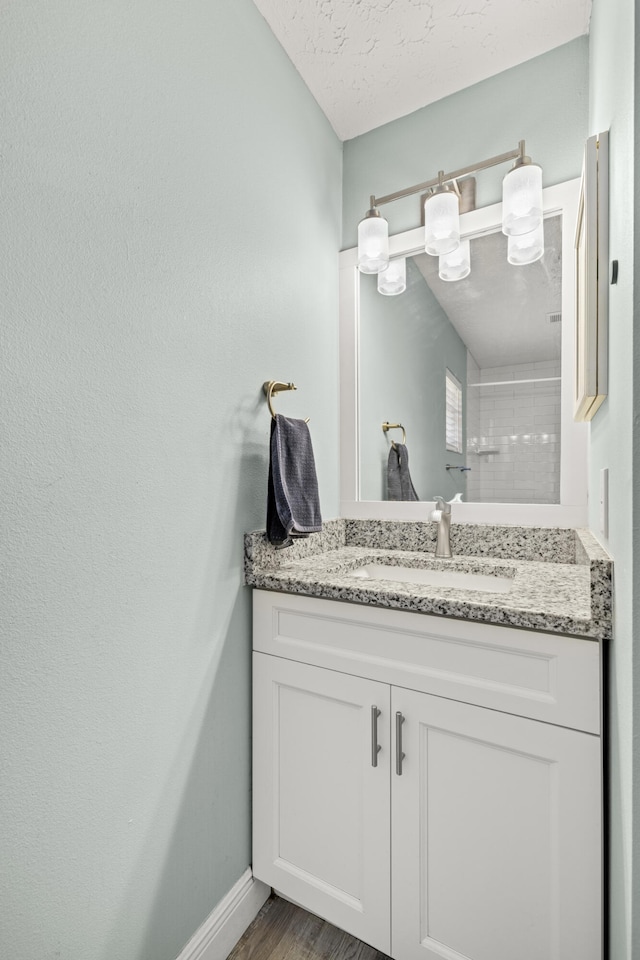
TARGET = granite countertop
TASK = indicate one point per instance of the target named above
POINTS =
(561, 577)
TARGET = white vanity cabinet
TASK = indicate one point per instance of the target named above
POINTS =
(483, 842)
(321, 810)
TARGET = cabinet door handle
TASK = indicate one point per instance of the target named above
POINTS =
(399, 754)
(375, 746)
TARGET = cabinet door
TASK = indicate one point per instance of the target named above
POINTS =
(496, 836)
(321, 809)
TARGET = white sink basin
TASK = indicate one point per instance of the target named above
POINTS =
(458, 579)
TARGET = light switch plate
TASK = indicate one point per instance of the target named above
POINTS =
(604, 502)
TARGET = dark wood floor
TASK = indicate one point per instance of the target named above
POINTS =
(282, 931)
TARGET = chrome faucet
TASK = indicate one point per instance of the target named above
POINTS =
(442, 516)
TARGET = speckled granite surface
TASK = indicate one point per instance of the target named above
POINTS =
(552, 544)
(561, 577)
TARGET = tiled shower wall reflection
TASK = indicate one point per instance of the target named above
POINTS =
(513, 433)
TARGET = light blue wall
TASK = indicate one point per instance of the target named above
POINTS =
(406, 345)
(543, 101)
(614, 444)
(170, 208)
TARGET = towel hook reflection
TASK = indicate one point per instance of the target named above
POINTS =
(270, 387)
(386, 426)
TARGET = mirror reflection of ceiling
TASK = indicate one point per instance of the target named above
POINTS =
(503, 313)
(372, 61)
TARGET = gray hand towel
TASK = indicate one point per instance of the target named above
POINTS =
(399, 483)
(293, 503)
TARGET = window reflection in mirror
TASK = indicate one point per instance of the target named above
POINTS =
(498, 333)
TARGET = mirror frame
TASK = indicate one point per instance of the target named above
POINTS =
(572, 509)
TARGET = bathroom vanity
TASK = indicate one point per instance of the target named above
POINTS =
(428, 733)
(427, 757)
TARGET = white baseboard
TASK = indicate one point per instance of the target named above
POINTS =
(224, 926)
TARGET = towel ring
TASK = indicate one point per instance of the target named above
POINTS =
(270, 387)
(386, 426)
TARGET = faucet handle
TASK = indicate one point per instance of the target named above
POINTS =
(442, 506)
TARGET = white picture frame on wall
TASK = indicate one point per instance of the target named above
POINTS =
(592, 280)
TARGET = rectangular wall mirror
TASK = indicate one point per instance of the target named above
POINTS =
(479, 372)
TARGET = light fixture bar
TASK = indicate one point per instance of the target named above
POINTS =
(447, 177)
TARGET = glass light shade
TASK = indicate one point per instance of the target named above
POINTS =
(522, 200)
(527, 248)
(393, 280)
(441, 223)
(456, 265)
(373, 244)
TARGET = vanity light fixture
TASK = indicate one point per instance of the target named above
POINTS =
(527, 247)
(522, 212)
(373, 241)
(441, 220)
(457, 264)
(522, 197)
(393, 280)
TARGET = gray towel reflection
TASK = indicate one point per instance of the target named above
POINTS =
(399, 483)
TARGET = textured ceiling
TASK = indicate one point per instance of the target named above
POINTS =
(367, 62)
